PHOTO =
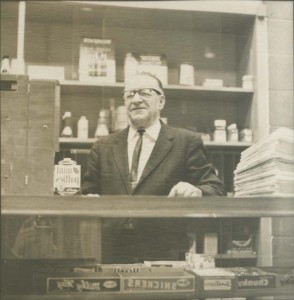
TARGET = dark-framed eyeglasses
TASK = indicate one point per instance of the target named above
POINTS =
(144, 93)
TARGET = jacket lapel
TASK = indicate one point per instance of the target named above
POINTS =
(162, 147)
(120, 152)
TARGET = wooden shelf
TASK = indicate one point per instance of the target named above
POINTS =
(173, 87)
(87, 143)
(236, 256)
(74, 141)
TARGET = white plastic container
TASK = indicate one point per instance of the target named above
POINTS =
(102, 128)
(233, 135)
(186, 74)
(83, 125)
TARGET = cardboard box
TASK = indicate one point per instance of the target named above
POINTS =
(153, 280)
(97, 60)
(284, 277)
(102, 282)
(78, 282)
(214, 279)
(155, 64)
(199, 261)
(253, 278)
(46, 72)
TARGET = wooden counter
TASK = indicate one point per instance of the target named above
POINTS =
(148, 206)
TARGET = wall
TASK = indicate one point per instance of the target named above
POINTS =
(280, 55)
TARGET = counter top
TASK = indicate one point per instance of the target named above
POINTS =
(147, 206)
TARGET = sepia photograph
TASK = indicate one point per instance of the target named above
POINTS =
(147, 150)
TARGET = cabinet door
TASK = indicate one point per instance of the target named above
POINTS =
(14, 133)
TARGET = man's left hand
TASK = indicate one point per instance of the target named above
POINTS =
(185, 189)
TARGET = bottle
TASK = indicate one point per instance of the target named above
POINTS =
(130, 66)
(67, 130)
(83, 127)
(5, 64)
(220, 134)
(102, 128)
(232, 133)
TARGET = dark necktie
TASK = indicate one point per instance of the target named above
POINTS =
(136, 156)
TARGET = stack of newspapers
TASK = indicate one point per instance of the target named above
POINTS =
(267, 167)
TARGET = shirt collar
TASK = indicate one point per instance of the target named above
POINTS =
(152, 131)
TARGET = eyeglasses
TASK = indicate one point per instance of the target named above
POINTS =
(144, 93)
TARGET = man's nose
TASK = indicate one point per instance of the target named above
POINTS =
(137, 98)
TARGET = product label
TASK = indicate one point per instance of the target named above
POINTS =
(159, 284)
(217, 284)
(67, 177)
(256, 282)
(285, 281)
(66, 285)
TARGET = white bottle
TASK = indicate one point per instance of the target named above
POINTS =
(83, 124)
(130, 66)
(5, 64)
(102, 128)
(67, 130)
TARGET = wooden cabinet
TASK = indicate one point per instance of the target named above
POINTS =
(29, 134)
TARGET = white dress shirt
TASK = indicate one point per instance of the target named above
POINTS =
(149, 139)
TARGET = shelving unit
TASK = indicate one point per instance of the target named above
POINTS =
(181, 32)
(184, 32)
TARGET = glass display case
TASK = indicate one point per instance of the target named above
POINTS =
(47, 232)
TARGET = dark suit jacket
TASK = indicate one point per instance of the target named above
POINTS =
(178, 155)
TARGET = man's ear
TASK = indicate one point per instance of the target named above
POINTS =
(161, 102)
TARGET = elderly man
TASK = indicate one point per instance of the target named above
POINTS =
(149, 158)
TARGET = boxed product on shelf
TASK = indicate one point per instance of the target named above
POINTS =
(67, 177)
(253, 278)
(214, 279)
(97, 60)
(122, 268)
(158, 280)
(213, 83)
(79, 282)
(155, 64)
(284, 276)
(200, 261)
(46, 72)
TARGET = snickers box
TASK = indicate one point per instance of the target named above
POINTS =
(214, 279)
(158, 280)
(253, 278)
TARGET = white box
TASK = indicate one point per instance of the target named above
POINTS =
(97, 62)
(210, 243)
(213, 83)
(200, 261)
(46, 72)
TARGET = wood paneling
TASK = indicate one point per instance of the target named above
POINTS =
(28, 136)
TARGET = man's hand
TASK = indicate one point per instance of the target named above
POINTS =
(185, 189)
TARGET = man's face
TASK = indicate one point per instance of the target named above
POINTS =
(143, 106)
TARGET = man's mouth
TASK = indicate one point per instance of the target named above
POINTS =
(137, 108)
